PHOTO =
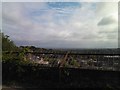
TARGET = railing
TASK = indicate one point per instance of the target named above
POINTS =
(54, 77)
(86, 61)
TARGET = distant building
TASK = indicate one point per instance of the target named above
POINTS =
(41, 61)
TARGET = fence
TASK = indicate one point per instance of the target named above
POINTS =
(55, 77)
(85, 61)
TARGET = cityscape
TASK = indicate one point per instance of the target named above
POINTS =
(54, 45)
(70, 59)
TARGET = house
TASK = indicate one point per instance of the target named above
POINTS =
(41, 61)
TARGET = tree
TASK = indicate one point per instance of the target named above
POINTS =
(7, 44)
(74, 62)
(8, 49)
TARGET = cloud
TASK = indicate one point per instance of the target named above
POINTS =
(107, 21)
(106, 8)
(67, 26)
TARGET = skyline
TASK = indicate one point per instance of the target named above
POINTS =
(62, 24)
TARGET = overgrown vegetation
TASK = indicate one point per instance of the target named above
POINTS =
(7, 44)
(8, 47)
(17, 69)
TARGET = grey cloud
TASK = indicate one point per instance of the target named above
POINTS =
(77, 32)
(109, 33)
(112, 36)
(108, 30)
(71, 44)
(89, 36)
(106, 21)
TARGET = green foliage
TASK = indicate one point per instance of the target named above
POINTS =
(74, 63)
(66, 64)
(8, 47)
(7, 44)
(13, 58)
(22, 53)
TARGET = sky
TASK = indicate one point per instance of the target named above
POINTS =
(61, 24)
